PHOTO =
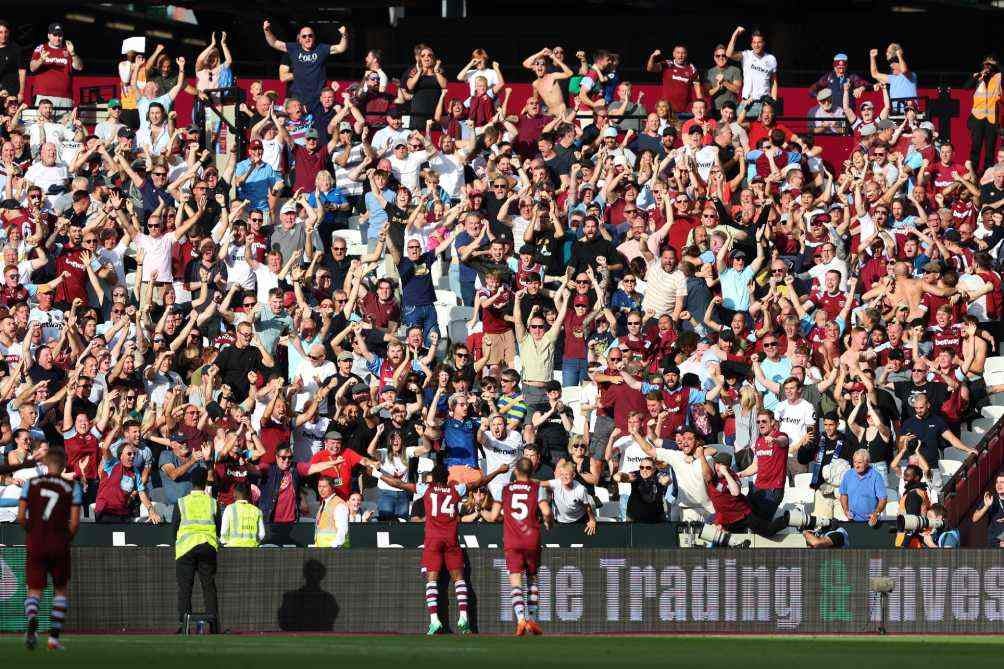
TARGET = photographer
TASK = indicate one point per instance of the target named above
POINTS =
(941, 537)
(914, 501)
(829, 456)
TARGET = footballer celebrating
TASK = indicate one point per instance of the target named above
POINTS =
(442, 499)
(521, 541)
(49, 512)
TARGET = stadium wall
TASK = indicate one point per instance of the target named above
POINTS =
(411, 535)
(582, 591)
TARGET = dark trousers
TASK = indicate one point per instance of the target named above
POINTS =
(983, 138)
(201, 559)
(764, 503)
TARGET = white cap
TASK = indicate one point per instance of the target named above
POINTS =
(289, 206)
(609, 131)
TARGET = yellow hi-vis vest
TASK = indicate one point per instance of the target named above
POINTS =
(242, 520)
(197, 524)
(326, 533)
(986, 98)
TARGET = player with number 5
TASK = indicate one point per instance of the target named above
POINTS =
(521, 541)
(442, 546)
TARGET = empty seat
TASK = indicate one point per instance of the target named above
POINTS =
(446, 297)
(803, 480)
(993, 412)
(952, 453)
(949, 467)
(571, 394)
(993, 371)
(609, 512)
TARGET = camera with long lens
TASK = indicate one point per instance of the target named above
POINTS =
(799, 520)
(911, 523)
(716, 537)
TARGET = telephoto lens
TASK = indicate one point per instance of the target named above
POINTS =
(911, 523)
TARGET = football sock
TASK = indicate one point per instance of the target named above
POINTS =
(460, 589)
(534, 603)
(31, 611)
(517, 602)
(59, 605)
(432, 600)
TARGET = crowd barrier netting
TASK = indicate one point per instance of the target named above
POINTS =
(582, 591)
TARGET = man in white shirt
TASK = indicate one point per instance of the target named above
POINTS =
(407, 158)
(571, 501)
(448, 163)
(386, 138)
(47, 171)
(692, 501)
(759, 67)
(47, 129)
(794, 415)
(313, 376)
(501, 446)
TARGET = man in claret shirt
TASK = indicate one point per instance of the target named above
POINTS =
(769, 466)
(829, 298)
(680, 82)
(52, 66)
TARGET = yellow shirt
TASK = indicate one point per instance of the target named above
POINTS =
(537, 357)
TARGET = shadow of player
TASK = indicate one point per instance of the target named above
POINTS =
(309, 608)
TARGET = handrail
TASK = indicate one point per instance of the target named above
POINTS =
(967, 485)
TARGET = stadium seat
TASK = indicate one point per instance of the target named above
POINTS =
(952, 453)
(799, 495)
(949, 467)
(609, 512)
(356, 250)
(571, 395)
(803, 480)
(993, 371)
(350, 236)
(602, 494)
(993, 412)
(447, 297)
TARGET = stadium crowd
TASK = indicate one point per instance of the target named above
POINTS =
(676, 308)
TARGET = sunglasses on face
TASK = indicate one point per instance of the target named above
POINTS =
(537, 326)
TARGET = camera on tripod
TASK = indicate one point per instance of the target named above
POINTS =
(911, 523)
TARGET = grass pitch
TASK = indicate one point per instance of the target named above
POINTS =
(482, 652)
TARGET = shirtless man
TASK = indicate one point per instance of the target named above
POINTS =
(900, 288)
(545, 86)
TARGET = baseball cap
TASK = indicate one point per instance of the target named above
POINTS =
(884, 124)
(289, 206)
(400, 143)
(344, 125)
(360, 388)
(840, 57)
(114, 104)
(933, 266)
(56, 29)
(927, 125)
(580, 301)
(179, 437)
(345, 355)
(824, 94)
(953, 236)
(609, 131)
(312, 134)
(868, 129)
(738, 255)
(126, 132)
(868, 103)
(333, 434)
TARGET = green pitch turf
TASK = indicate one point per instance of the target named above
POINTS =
(473, 652)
